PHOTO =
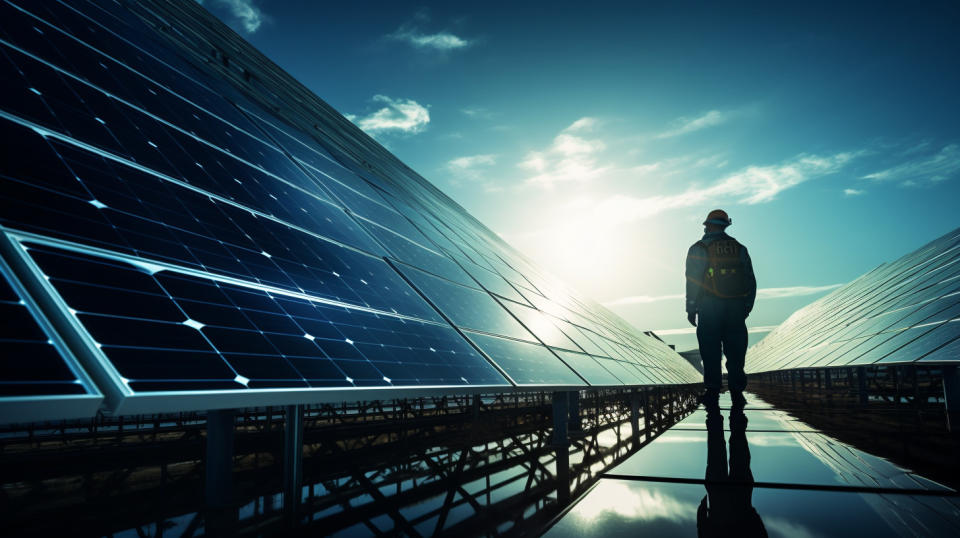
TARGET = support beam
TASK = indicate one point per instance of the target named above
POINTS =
(575, 425)
(635, 415)
(219, 458)
(292, 458)
(561, 411)
(862, 384)
(561, 443)
(647, 419)
(951, 396)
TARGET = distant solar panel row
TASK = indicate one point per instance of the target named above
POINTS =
(904, 311)
(196, 251)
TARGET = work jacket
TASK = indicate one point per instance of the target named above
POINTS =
(697, 268)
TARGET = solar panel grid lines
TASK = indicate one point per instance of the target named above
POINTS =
(902, 311)
(122, 119)
(40, 379)
(218, 336)
(230, 227)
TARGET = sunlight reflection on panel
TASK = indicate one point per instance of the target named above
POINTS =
(632, 503)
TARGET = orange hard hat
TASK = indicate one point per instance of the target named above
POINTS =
(718, 217)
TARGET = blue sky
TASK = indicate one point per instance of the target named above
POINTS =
(595, 138)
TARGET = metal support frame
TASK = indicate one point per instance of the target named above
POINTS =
(862, 385)
(293, 458)
(635, 415)
(219, 458)
(575, 423)
(951, 396)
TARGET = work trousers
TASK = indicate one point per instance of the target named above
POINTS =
(722, 331)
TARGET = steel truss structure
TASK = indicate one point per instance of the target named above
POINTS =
(426, 466)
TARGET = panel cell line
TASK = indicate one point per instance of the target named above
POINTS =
(904, 311)
(200, 241)
(40, 378)
(162, 338)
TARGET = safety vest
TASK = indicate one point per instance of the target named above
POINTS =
(726, 274)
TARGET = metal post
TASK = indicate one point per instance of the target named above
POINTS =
(476, 406)
(292, 458)
(561, 413)
(574, 427)
(862, 384)
(951, 396)
(647, 422)
(635, 415)
(561, 410)
(219, 471)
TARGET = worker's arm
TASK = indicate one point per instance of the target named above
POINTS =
(696, 268)
(751, 282)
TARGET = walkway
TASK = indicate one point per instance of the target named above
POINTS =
(784, 478)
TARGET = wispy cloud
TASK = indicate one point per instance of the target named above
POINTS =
(752, 185)
(793, 291)
(396, 115)
(477, 112)
(470, 167)
(762, 293)
(691, 330)
(853, 192)
(412, 34)
(247, 14)
(936, 167)
(572, 157)
(682, 126)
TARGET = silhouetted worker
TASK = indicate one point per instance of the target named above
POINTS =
(721, 289)
(727, 509)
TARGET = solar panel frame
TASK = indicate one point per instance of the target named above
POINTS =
(46, 407)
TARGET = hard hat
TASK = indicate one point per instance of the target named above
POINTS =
(718, 217)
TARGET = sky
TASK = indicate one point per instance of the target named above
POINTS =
(595, 137)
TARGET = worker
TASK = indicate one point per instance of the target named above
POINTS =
(721, 289)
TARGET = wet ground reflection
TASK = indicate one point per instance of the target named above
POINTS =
(808, 484)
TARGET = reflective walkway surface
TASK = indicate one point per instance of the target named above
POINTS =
(758, 471)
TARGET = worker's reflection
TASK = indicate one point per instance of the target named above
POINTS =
(727, 509)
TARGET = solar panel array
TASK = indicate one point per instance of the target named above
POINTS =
(904, 311)
(196, 250)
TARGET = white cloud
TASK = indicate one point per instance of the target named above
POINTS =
(584, 124)
(752, 185)
(469, 167)
(477, 112)
(940, 166)
(570, 158)
(793, 291)
(688, 125)
(443, 41)
(397, 115)
(691, 330)
(762, 293)
(249, 15)
(853, 192)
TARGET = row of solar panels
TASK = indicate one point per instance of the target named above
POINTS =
(170, 245)
(901, 312)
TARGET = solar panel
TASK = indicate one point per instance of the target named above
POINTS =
(39, 377)
(904, 311)
(202, 238)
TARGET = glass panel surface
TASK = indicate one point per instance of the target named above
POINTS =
(32, 365)
(168, 330)
(526, 363)
(643, 508)
(466, 307)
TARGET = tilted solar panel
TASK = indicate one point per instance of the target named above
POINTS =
(39, 377)
(200, 244)
(904, 311)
